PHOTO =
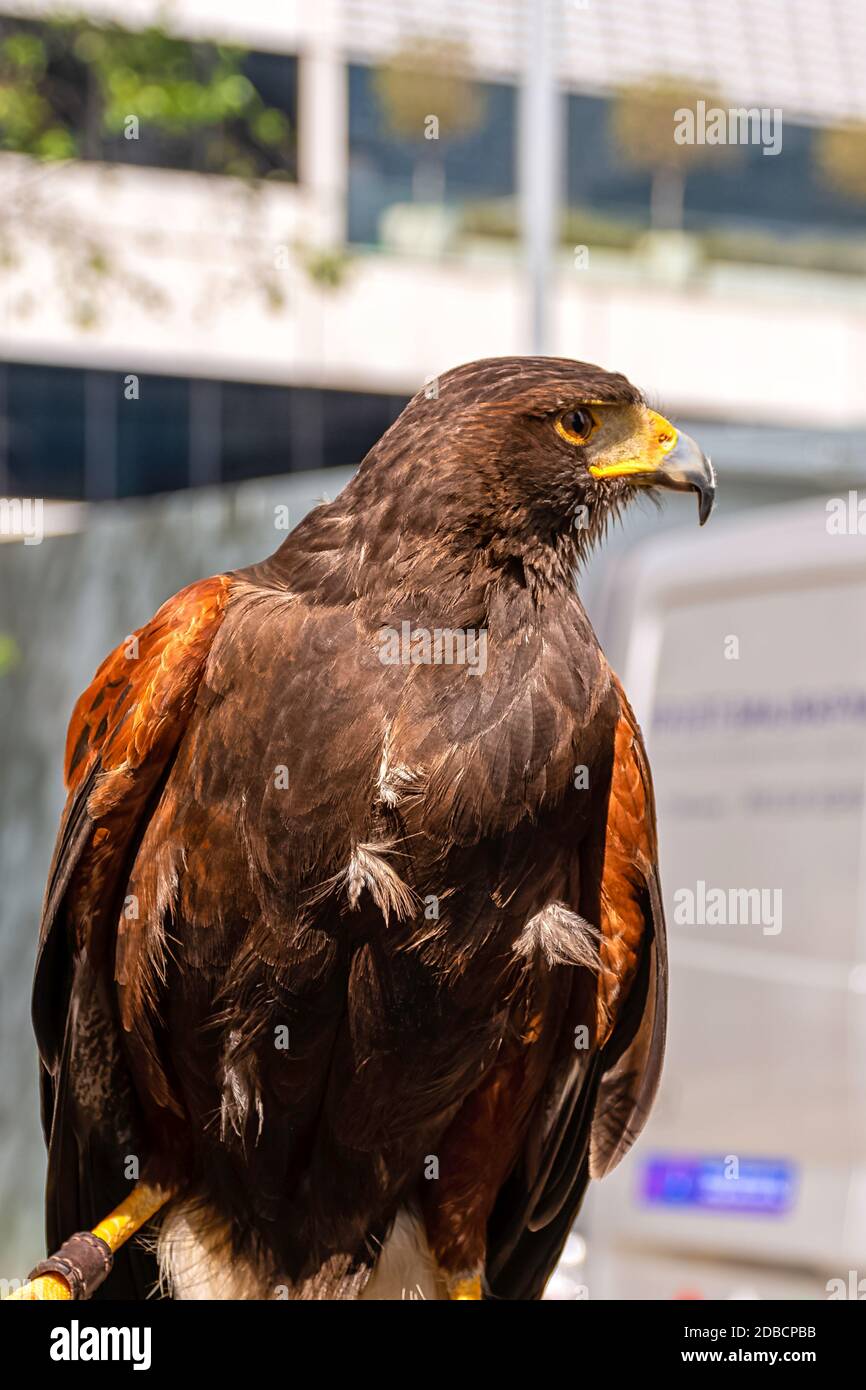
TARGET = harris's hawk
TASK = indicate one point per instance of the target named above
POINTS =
(353, 936)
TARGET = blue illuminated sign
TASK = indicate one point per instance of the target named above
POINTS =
(759, 1186)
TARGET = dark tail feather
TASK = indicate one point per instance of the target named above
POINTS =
(90, 1138)
(527, 1269)
(530, 1223)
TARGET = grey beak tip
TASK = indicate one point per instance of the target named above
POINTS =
(707, 495)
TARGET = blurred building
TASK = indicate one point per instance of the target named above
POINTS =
(284, 328)
(168, 324)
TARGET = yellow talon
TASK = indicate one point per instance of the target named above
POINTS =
(141, 1204)
(464, 1289)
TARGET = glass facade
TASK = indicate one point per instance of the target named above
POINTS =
(383, 167)
(751, 190)
(107, 434)
(776, 193)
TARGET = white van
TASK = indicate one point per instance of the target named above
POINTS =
(743, 649)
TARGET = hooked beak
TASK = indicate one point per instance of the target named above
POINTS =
(674, 461)
(687, 469)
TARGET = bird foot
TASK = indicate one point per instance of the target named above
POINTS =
(463, 1287)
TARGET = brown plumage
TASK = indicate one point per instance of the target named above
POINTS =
(324, 922)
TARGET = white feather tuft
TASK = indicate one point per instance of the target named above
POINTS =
(405, 1269)
(196, 1261)
(369, 869)
(562, 937)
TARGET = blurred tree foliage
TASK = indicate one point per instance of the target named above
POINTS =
(841, 158)
(426, 92)
(10, 653)
(429, 77)
(642, 122)
(67, 85)
(73, 89)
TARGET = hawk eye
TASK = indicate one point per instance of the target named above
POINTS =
(576, 426)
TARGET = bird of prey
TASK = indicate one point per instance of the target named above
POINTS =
(353, 937)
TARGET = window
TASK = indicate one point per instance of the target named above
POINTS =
(45, 447)
(382, 167)
(153, 437)
(199, 106)
(778, 193)
(73, 433)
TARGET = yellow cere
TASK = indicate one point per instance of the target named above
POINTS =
(663, 438)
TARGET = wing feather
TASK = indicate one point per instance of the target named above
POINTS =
(122, 737)
(592, 1108)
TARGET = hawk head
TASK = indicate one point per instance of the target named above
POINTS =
(542, 447)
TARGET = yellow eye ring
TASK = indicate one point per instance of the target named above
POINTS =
(576, 426)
